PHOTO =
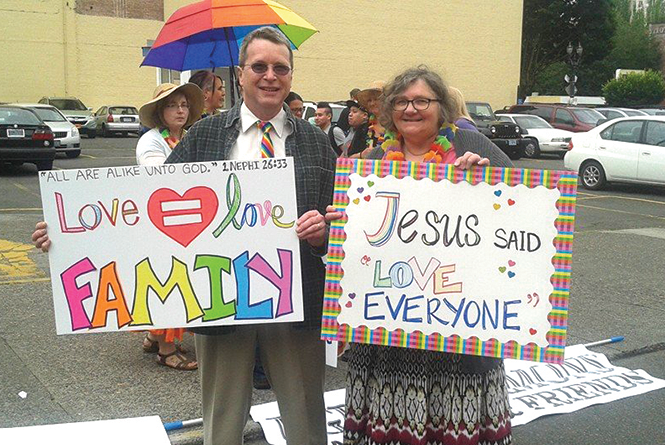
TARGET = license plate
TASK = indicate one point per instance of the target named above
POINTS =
(126, 119)
(512, 142)
(15, 133)
(57, 143)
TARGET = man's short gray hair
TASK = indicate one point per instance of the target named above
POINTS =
(264, 33)
(403, 81)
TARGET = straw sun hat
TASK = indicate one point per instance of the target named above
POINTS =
(191, 91)
(374, 91)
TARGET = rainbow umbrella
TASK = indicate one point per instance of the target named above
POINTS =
(208, 34)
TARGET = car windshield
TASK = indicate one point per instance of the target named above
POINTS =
(586, 115)
(68, 104)
(530, 122)
(10, 116)
(480, 111)
(123, 110)
(49, 115)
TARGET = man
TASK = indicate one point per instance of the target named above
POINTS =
(355, 139)
(323, 120)
(292, 354)
(343, 121)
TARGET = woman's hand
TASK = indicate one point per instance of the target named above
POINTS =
(468, 160)
(40, 237)
(311, 227)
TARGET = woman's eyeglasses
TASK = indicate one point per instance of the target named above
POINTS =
(174, 106)
(420, 104)
(262, 68)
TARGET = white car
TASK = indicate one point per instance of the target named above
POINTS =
(627, 149)
(543, 137)
(67, 139)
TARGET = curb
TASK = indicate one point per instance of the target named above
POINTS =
(194, 435)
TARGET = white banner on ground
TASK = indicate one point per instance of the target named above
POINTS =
(535, 389)
(585, 378)
(137, 430)
(179, 245)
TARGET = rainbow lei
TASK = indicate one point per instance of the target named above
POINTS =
(375, 137)
(441, 151)
(170, 140)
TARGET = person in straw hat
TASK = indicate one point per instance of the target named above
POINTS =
(172, 109)
(370, 100)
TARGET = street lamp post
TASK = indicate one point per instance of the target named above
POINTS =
(574, 59)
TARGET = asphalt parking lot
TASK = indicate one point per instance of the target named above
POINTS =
(618, 289)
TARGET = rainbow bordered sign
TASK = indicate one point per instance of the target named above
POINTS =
(432, 257)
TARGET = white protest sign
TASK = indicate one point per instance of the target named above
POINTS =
(138, 430)
(585, 378)
(180, 245)
(432, 257)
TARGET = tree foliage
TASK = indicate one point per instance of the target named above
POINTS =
(635, 89)
(612, 34)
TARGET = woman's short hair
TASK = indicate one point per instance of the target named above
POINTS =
(291, 97)
(264, 33)
(204, 79)
(403, 81)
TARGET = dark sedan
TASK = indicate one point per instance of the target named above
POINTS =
(24, 137)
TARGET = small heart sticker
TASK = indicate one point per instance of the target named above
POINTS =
(497, 206)
(356, 201)
(511, 263)
(497, 192)
(348, 304)
(532, 331)
(502, 269)
(370, 183)
(367, 198)
(511, 202)
(511, 274)
(360, 189)
(352, 295)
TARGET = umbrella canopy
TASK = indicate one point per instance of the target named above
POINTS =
(208, 34)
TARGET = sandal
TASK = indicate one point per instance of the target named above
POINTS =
(183, 363)
(152, 346)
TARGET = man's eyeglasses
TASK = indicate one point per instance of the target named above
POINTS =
(174, 106)
(262, 68)
(419, 104)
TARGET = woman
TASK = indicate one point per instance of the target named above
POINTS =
(295, 104)
(370, 100)
(461, 116)
(172, 109)
(213, 91)
(408, 396)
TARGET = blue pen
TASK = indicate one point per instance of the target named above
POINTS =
(172, 426)
(605, 342)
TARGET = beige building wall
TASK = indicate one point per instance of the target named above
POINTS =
(51, 48)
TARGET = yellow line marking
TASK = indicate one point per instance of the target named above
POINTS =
(31, 209)
(621, 211)
(25, 189)
(14, 261)
(34, 280)
(87, 156)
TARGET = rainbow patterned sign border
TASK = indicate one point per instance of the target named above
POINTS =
(565, 181)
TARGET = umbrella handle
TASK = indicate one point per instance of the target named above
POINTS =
(232, 68)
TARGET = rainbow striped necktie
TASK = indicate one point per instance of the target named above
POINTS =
(267, 149)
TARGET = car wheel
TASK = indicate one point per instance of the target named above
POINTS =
(593, 175)
(105, 132)
(73, 153)
(44, 165)
(514, 154)
(531, 148)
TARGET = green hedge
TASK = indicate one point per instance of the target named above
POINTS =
(635, 89)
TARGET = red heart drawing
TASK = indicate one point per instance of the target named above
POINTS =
(532, 331)
(367, 198)
(511, 202)
(182, 218)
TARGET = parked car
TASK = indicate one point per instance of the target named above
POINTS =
(66, 136)
(654, 111)
(540, 136)
(310, 109)
(24, 137)
(613, 113)
(627, 149)
(506, 135)
(575, 119)
(118, 119)
(77, 113)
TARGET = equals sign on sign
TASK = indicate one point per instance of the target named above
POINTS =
(182, 212)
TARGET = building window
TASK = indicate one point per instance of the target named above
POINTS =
(165, 75)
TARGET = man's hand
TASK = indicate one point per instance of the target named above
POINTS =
(311, 227)
(468, 159)
(332, 214)
(40, 237)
